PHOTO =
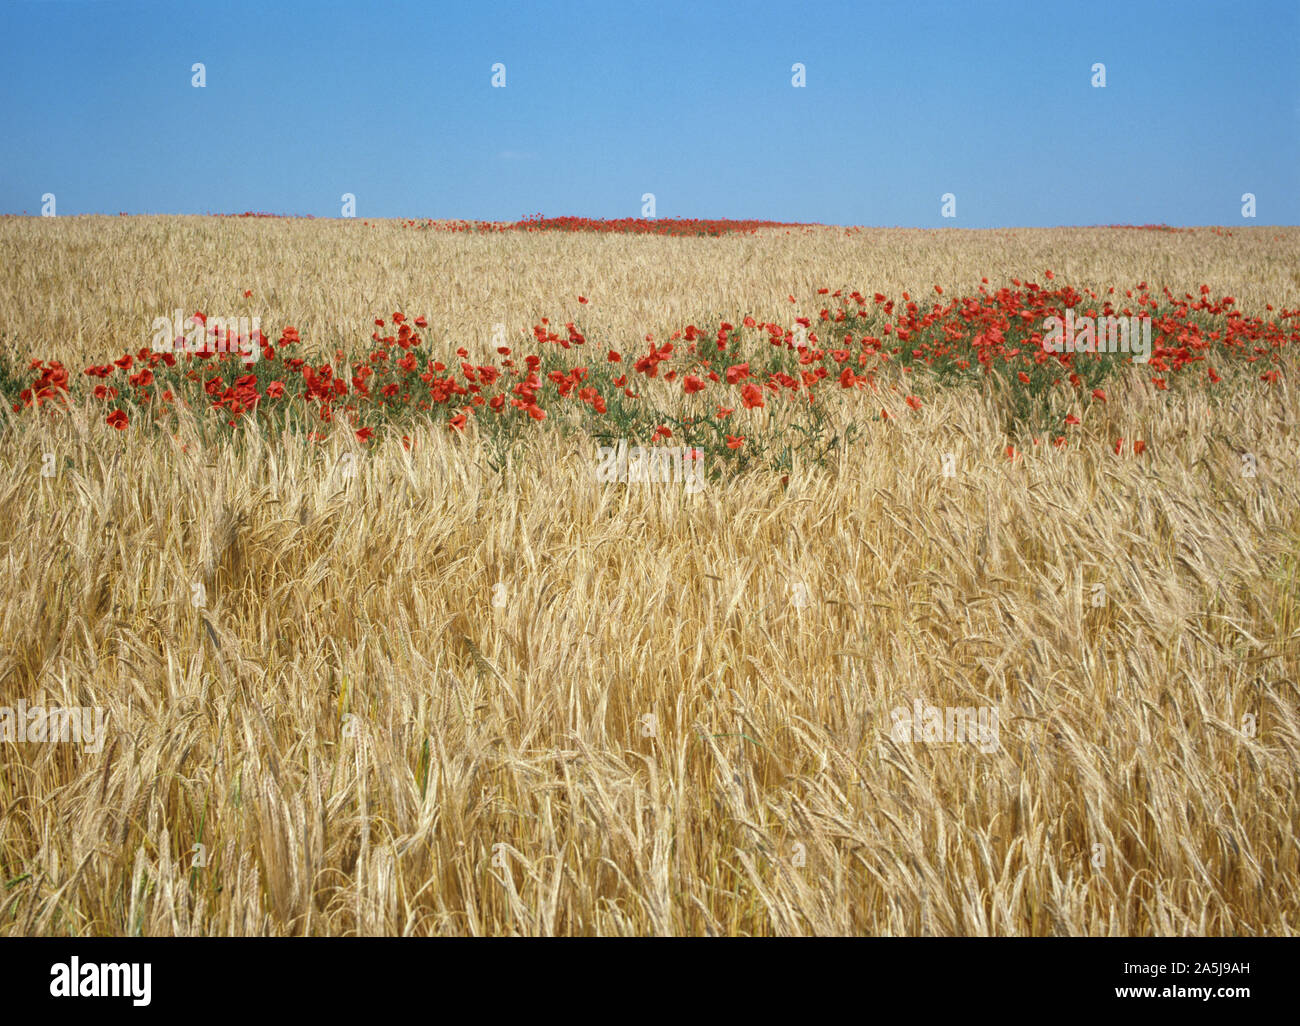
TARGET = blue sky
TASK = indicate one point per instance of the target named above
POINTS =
(693, 102)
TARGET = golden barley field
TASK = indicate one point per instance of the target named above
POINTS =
(450, 695)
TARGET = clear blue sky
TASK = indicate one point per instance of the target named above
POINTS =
(692, 101)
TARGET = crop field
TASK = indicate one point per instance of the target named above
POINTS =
(573, 577)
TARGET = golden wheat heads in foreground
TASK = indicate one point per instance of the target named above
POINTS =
(427, 691)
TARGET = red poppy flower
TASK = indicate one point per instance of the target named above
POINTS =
(913, 402)
(735, 443)
(117, 419)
